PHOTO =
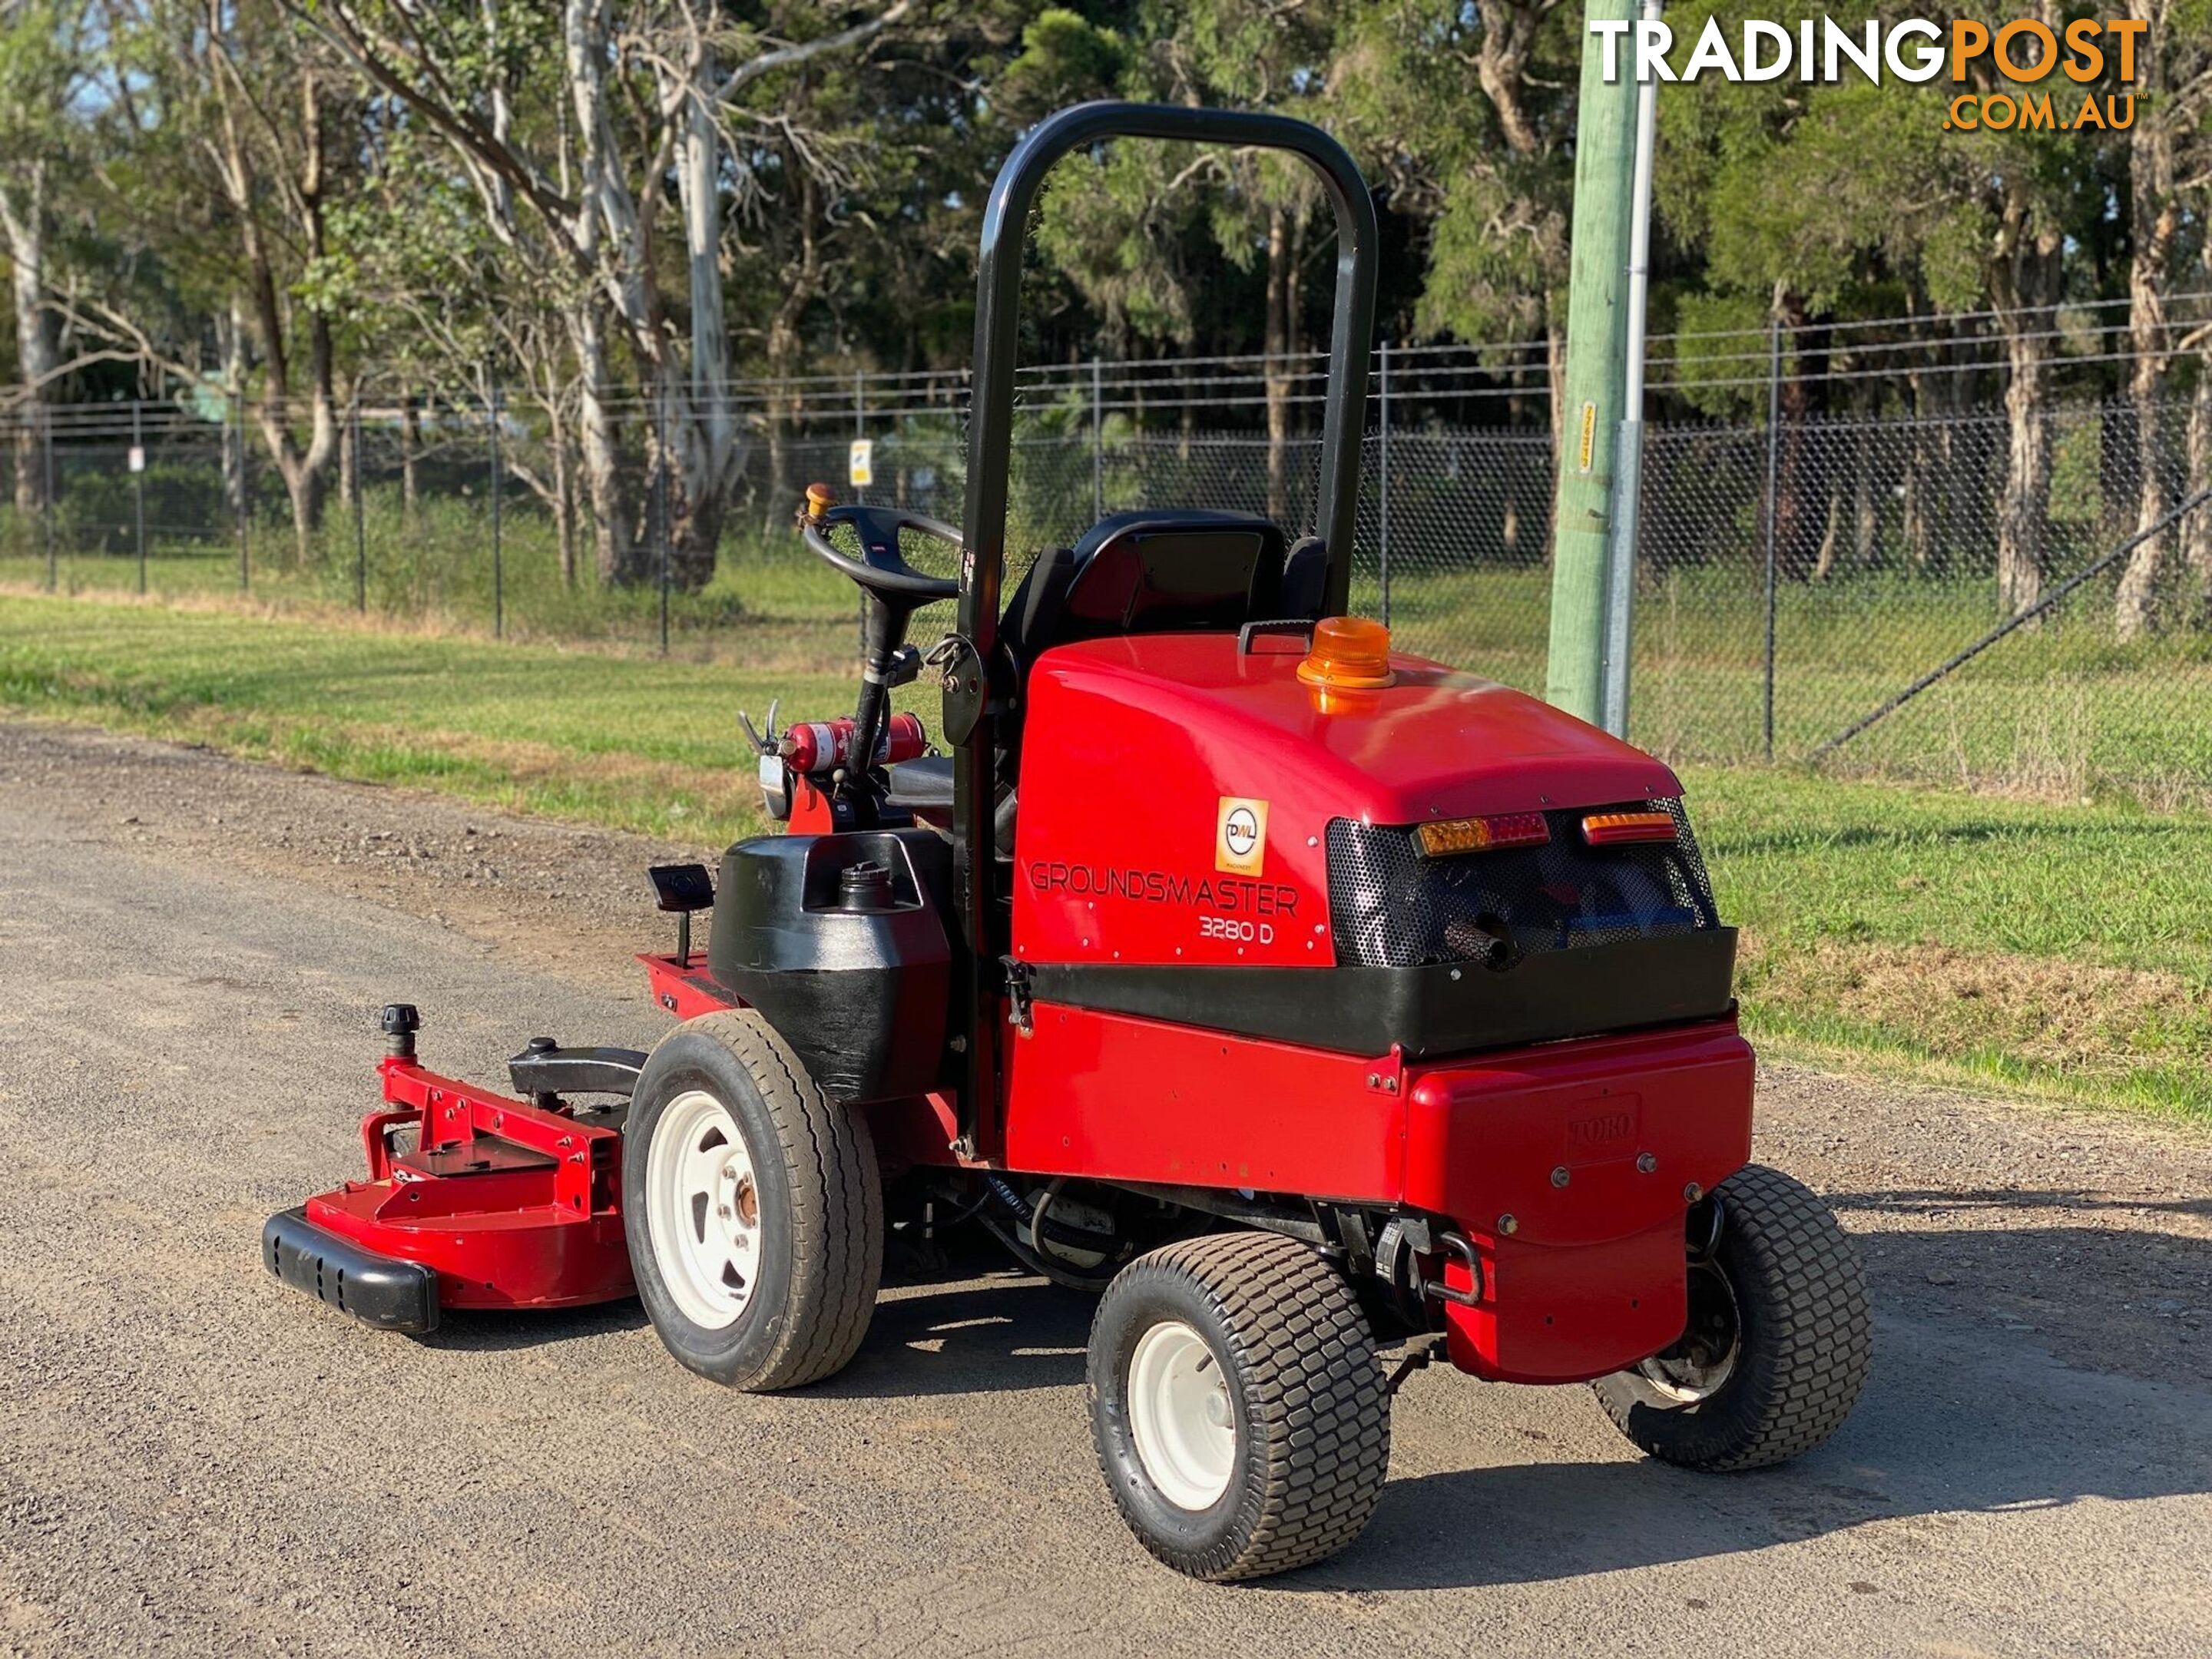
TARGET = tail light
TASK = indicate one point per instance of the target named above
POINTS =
(1448, 835)
(1614, 828)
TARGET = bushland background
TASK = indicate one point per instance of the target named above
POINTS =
(433, 373)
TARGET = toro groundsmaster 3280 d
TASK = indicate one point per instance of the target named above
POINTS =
(1307, 1001)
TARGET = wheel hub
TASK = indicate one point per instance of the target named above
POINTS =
(702, 1210)
(1698, 1365)
(1180, 1416)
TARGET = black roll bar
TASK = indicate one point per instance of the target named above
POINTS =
(990, 438)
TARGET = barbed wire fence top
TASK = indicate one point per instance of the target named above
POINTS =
(1831, 515)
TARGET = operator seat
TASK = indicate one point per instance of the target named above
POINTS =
(1184, 570)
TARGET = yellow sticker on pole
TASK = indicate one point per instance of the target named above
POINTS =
(860, 464)
(1588, 444)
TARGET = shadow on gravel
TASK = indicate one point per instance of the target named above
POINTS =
(1007, 1332)
(466, 1332)
(1941, 1431)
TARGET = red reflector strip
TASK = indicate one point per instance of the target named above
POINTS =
(1501, 830)
(1610, 829)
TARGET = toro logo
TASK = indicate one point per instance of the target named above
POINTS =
(1240, 842)
(1603, 1124)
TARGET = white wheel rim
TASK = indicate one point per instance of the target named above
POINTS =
(1180, 1416)
(702, 1210)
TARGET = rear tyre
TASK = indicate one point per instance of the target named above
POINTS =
(1779, 1340)
(1237, 1406)
(752, 1207)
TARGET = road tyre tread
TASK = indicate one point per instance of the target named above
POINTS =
(834, 1208)
(1807, 1341)
(1301, 1360)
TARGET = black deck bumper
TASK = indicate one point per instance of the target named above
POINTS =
(377, 1290)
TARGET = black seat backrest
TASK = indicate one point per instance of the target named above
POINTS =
(1179, 571)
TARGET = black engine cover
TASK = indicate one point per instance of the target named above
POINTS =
(854, 975)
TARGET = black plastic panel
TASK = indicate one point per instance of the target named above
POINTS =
(860, 994)
(377, 1290)
(1439, 1009)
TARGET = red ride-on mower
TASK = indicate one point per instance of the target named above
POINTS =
(1307, 1000)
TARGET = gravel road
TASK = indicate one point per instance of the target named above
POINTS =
(194, 1459)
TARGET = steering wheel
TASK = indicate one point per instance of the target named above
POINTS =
(881, 568)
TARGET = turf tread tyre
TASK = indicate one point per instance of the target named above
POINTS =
(1806, 1339)
(1302, 1357)
(835, 1213)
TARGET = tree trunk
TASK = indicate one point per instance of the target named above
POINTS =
(348, 445)
(2023, 509)
(564, 488)
(411, 453)
(23, 220)
(2196, 526)
(2155, 215)
(231, 328)
(2025, 276)
(709, 451)
(600, 453)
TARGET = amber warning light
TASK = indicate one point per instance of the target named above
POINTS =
(1349, 654)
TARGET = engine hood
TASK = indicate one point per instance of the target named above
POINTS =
(1437, 744)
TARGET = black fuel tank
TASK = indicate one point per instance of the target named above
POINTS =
(839, 941)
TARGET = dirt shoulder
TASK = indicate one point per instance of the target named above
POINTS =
(2087, 1232)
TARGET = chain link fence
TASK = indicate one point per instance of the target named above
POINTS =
(1794, 575)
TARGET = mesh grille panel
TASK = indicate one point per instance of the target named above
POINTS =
(1392, 907)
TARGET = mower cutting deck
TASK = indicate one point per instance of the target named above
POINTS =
(1303, 999)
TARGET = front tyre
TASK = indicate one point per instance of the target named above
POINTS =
(752, 1207)
(1779, 1342)
(1237, 1406)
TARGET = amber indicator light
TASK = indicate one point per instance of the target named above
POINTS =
(1502, 829)
(1612, 829)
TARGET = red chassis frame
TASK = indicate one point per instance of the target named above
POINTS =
(513, 1205)
(1566, 1165)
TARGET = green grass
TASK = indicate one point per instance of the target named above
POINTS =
(2061, 949)
(2059, 709)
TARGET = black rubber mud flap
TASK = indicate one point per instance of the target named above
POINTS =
(381, 1290)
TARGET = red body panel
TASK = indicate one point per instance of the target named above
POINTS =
(1591, 1276)
(513, 1206)
(1126, 1099)
(1123, 851)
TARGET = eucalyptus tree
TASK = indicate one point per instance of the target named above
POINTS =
(648, 105)
(1466, 113)
(45, 47)
(2169, 180)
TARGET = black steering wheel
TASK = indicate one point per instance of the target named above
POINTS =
(881, 568)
